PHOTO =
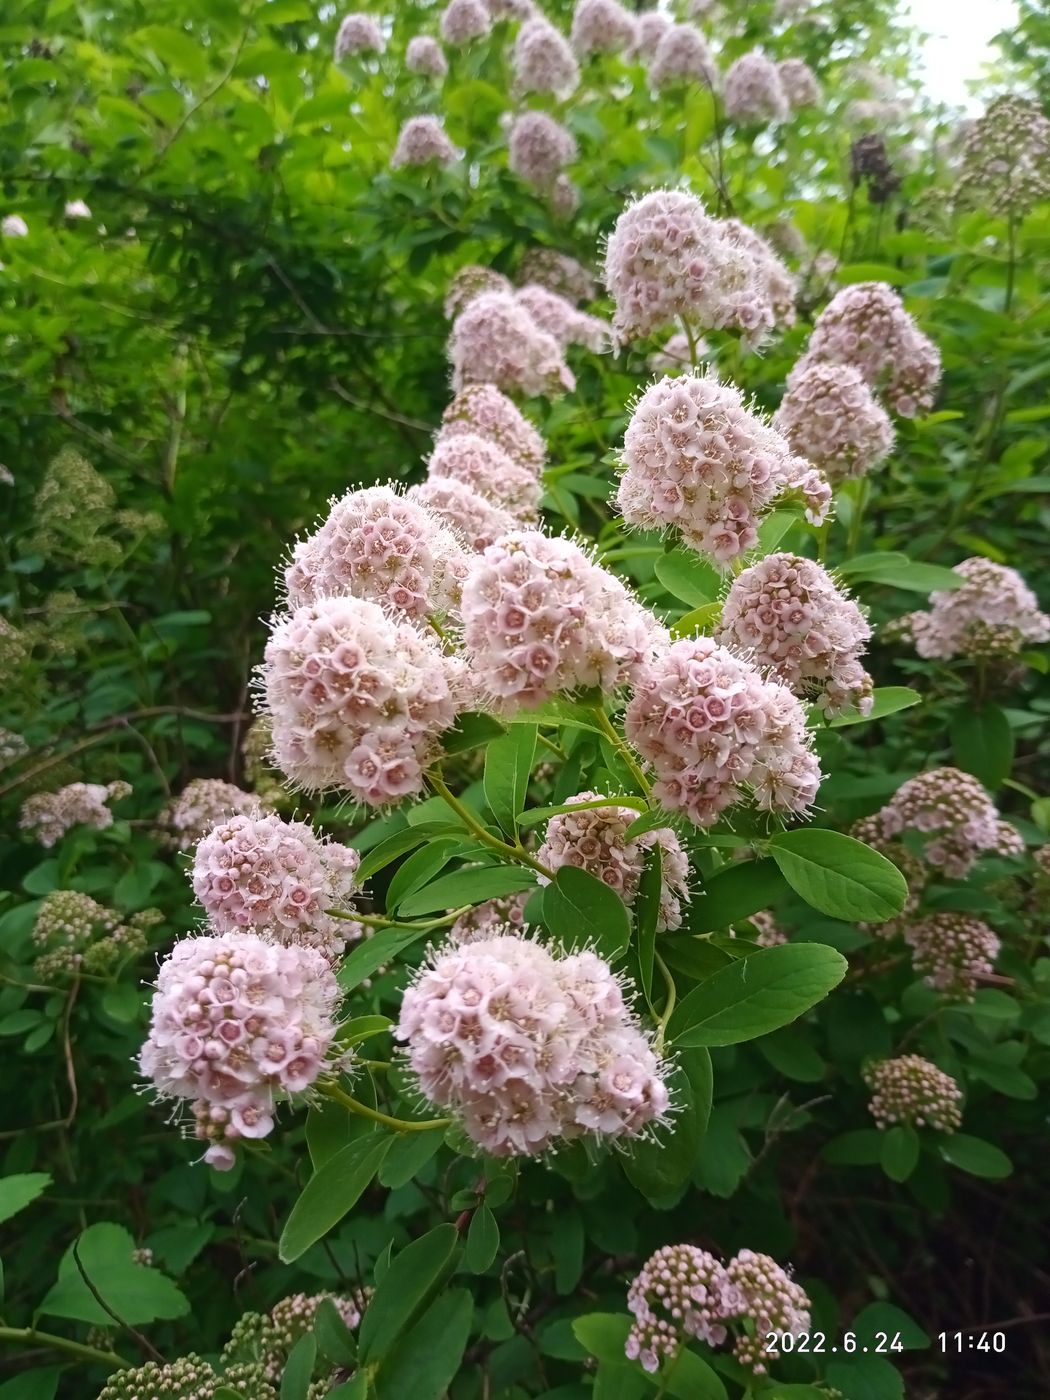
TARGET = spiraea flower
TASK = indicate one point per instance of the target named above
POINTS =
(358, 34)
(484, 410)
(602, 26)
(716, 731)
(1006, 158)
(47, 816)
(202, 804)
(13, 226)
(12, 747)
(992, 616)
(564, 198)
(76, 209)
(558, 272)
(911, 1090)
(238, 1022)
(495, 341)
(865, 325)
(529, 1048)
(540, 617)
(357, 700)
(377, 544)
(652, 26)
(263, 1341)
(475, 519)
(424, 55)
(768, 933)
(953, 952)
(768, 1298)
(276, 878)
(800, 84)
(189, 1376)
(680, 1292)
(480, 464)
(73, 933)
(779, 285)
(561, 319)
(539, 148)
(595, 839)
(788, 613)
(543, 61)
(753, 90)
(424, 141)
(830, 417)
(259, 772)
(512, 9)
(463, 21)
(490, 919)
(958, 818)
(468, 283)
(682, 55)
(698, 460)
(74, 513)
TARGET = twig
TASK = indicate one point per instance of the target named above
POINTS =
(144, 1342)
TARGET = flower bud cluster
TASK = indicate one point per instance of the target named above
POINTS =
(256, 750)
(993, 615)
(831, 418)
(423, 140)
(800, 84)
(495, 341)
(202, 804)
(539, 148)
(1006, 158)
(188, 1378)
(358, 33)
(482, 409)
(953, 952)
(787, 613)
(559, 318)
(715, 730)
(602, 26)
(529, 1048)
(474, 518)
(425, 56)
(463, 21)
(652, 26)
(74, 933)
(264, 1341)
(12, 747)
(911, 1090)
(47, 816)
(543, 61)
(595, 839)
(682, 55)
(754, 92)
(469, 282)
(558, 272)
(476, 462)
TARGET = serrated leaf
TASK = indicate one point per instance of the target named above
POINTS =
(137, 1294)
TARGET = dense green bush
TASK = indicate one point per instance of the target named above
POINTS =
(224, 301)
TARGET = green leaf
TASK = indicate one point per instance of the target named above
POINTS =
(428, 1357)
(357, 1389)
(299, 1368)
(658, 1166)
(698, 621)
(16, 1192)
(334, 1189)
(409, 1155)
(866, 1378)
(420, 868)
(557, 712)
(885, 1317)
(862, 1147)
(363, 1028)
(839, 876)
(757, 994)
(898, 571)
(399, 844)
(899, 1154)
(482, 1241)
(888, 700)
(373, 953)
(689, 1377)
(471, 886)
(603, 1334)
(685, 575)
(983, 743)
(414, 1277)
(508, 766)
(137, 1294)
(37, 1384)
(974, 1155)
(734, 893)
(582, 912)
(535, 815)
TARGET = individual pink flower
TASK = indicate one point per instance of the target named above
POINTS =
(911, 1090)
(787, 613)
(715, 730)
(469, 282)
(543, 61)
(376, 543)
(561, 319)
(423, 141)
(357, 700)
(602, 26)
(681, 1291)
(799, 83)
(277, 878)
(559, 273)
(488, 470)
(358, 34)
(953, 952)
(237, 1023)
(541, 618)
(463, 21)
(424, 55)
(202, 804)
(697, 459)
(474, 519)
(993, 615)
(682, 55)
(539, 148)
(47, 816)
(753, 90)
(830, 417)
(528, 1047)
(482, 409)
(495, 341)
(865, 325)
(595, 839)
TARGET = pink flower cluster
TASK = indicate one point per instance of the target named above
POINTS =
(699, 460)
(423, 141)
(543, 61)
(753, 90)
(780, 286)
(1006, 158)
(490, 473)
(865, 325)
(539, 148)
(463, 21)
(495, 341)
(469, 282)
(683, 1292)
(357, 700)
(238, 1021)
(714, 730)
(911, 1090)
(559, 318)
(377, 544)
(490, 919)
(541, 618)
(768, 933)
(358, 33)
(482, 409)
(799, 82)
(529, 1048)
(558, 272)
(682, 55)
(953, 952)
(424, 55)
(652, 26)
(788, 614)
(47, 816)
(475, 519)
(602, 26)
(830, 417)
(202, 804)
(954, 812)
(595, 839)
(993, 615)
(276, 878)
